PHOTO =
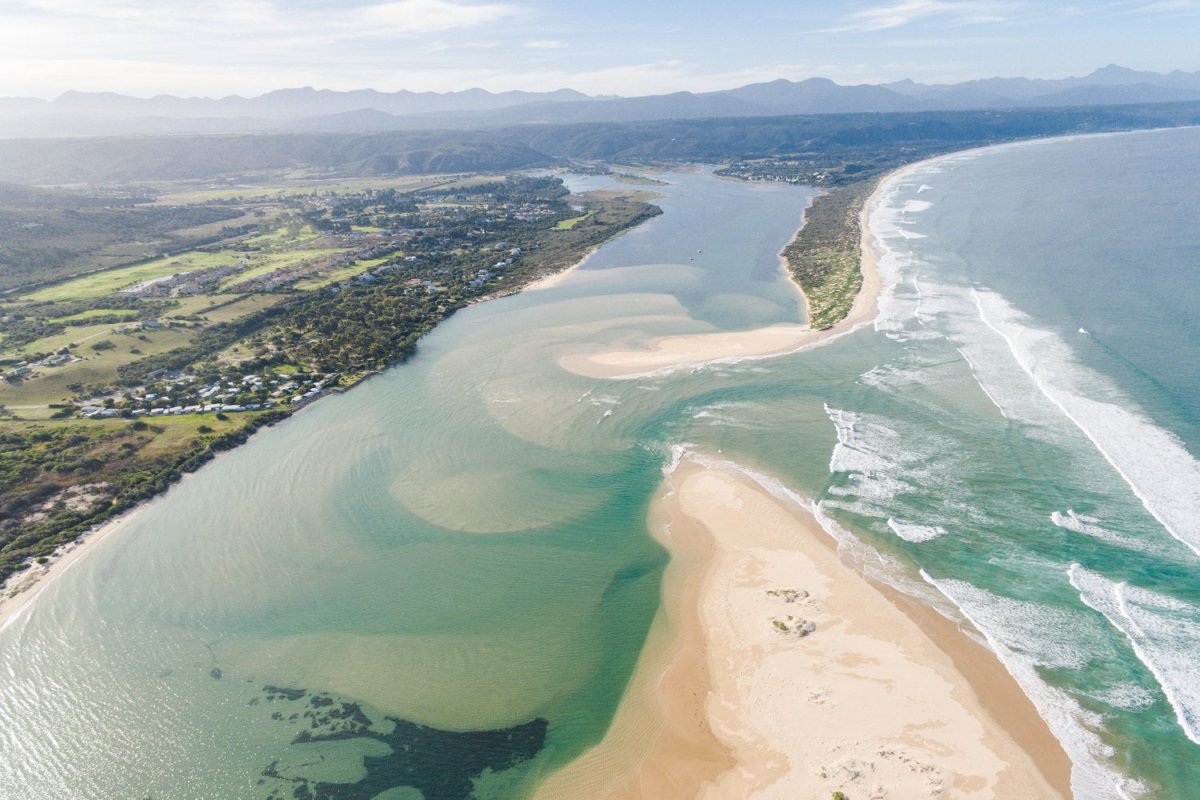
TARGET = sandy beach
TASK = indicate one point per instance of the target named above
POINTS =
(774, 670)
(18, 593)
(692, 350)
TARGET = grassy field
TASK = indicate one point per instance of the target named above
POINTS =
(96, 312)
(98, 284)
(567, 224)
(129, 342)
(51, 384)
(283, 235)
(298, 188)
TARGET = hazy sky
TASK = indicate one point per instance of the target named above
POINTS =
(217, 47)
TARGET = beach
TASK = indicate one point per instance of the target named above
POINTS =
(18, 593)
(776, 670)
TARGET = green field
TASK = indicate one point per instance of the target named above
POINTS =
(51, 384)
(298, 188)
(98, 284)
(282, 235)
(96, 312)
(567, 224)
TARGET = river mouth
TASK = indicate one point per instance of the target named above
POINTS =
(458, 545)
(460, 548)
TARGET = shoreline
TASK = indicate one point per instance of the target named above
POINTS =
(690, 351)
(20, 589)
(884, 698)
(18, 593)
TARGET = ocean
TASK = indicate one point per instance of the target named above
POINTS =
(440, 581)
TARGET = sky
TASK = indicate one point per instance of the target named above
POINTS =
(623, 47)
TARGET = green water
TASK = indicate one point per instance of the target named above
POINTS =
(442, 579)
(459, 544)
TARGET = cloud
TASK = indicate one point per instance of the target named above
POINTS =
(1163, 6)
(547, 44)
(898, 14)
(271, 18)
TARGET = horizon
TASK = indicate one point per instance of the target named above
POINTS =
(141, 49)
(310, 87)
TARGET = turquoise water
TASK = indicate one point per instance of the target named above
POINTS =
(441, 580)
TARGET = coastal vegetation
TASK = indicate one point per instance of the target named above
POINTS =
(825, 257)
(117, 381)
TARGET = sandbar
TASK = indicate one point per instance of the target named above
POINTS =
(689, 351)
(775, 670)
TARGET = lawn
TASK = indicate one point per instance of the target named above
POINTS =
(51, 384)
(97, 312)
(567, 224)
(298, 188)
(98, 284)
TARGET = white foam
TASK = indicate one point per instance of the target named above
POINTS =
(881, 462)
(1126, 695)
(1164, 633)
(1090, 526)
(1152, 461)
(915, 206)
(911, 532)
(1025, 636)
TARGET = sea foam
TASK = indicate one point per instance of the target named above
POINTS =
(1153, 462)
(1026, 636)
(910, 532)
(1163, 632)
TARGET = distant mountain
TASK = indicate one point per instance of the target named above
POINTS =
(868, 142)
(1111, 85)
(367, 110)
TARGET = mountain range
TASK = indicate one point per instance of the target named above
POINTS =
(312, 110)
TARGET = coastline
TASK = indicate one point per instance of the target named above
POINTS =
(20, 589)
(19, 592)
(879, 700)
(689, 351)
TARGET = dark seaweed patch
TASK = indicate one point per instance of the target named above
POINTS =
(442, 765)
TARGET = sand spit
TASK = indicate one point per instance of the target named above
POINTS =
(689, 351)
(776, 671)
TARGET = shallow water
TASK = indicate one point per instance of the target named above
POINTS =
(448, 569)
